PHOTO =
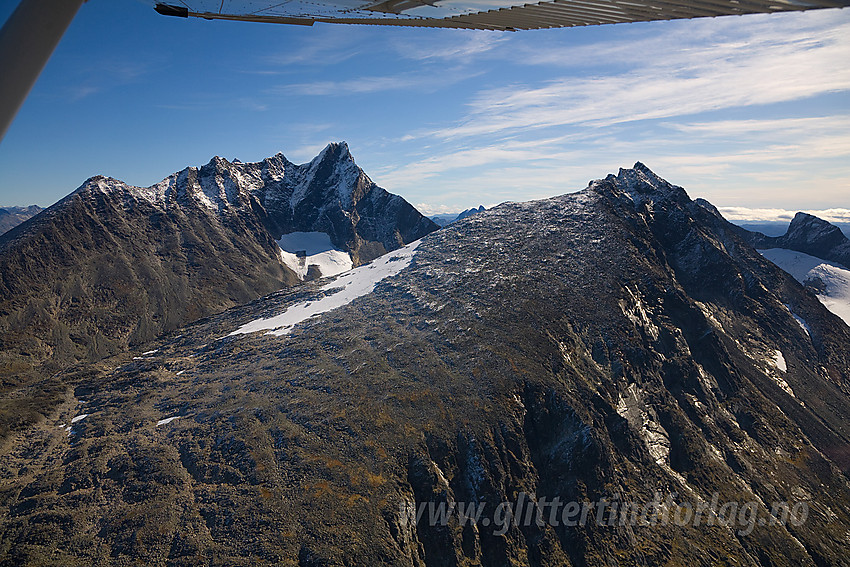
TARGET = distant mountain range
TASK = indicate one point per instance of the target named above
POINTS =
(113, 265)
(446, 219)
(11, 217)
(609, 348)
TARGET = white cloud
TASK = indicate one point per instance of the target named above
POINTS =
(781, 215)
(429, 209)
(760, 66)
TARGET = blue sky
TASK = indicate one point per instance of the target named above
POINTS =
(749, 111)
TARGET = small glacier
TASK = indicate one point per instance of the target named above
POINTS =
(341, 291)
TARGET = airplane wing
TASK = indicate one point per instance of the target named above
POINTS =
(478, 14)
(29, 36)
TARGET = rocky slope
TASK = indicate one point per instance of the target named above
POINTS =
(113, 265)
(10, 217)
(610, 345)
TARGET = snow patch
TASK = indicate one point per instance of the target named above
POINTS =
(167, 420)
(832, 280)
(300, 250)
(779, 361)
(342, 291)
(79, 418)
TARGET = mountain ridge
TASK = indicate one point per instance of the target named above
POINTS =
(605, 345)
(113, 265)
(11, 217)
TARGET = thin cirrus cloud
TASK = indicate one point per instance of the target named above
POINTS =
(326, 47)
(807, 126)
(786, 65)
(369, 84)
(779, 141)
(340, 44)
(728, 108)
(504, 153)
(669, 44)
(454, 45)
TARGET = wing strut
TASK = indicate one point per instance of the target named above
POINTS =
(27, 40)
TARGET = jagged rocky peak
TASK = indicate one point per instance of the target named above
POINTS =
(332, 174)
(275, 167)
(642, 185)
(329, 194)
(332, 195)
(221, 185)
(211, 235)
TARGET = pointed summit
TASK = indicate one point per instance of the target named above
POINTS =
(641, 185)
(334, 151)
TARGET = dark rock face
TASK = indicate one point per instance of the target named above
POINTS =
(603, 346)
(10, 217)
(113, 265)
(810, 235)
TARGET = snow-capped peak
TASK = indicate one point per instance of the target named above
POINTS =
(334, 167)
(640, 185)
